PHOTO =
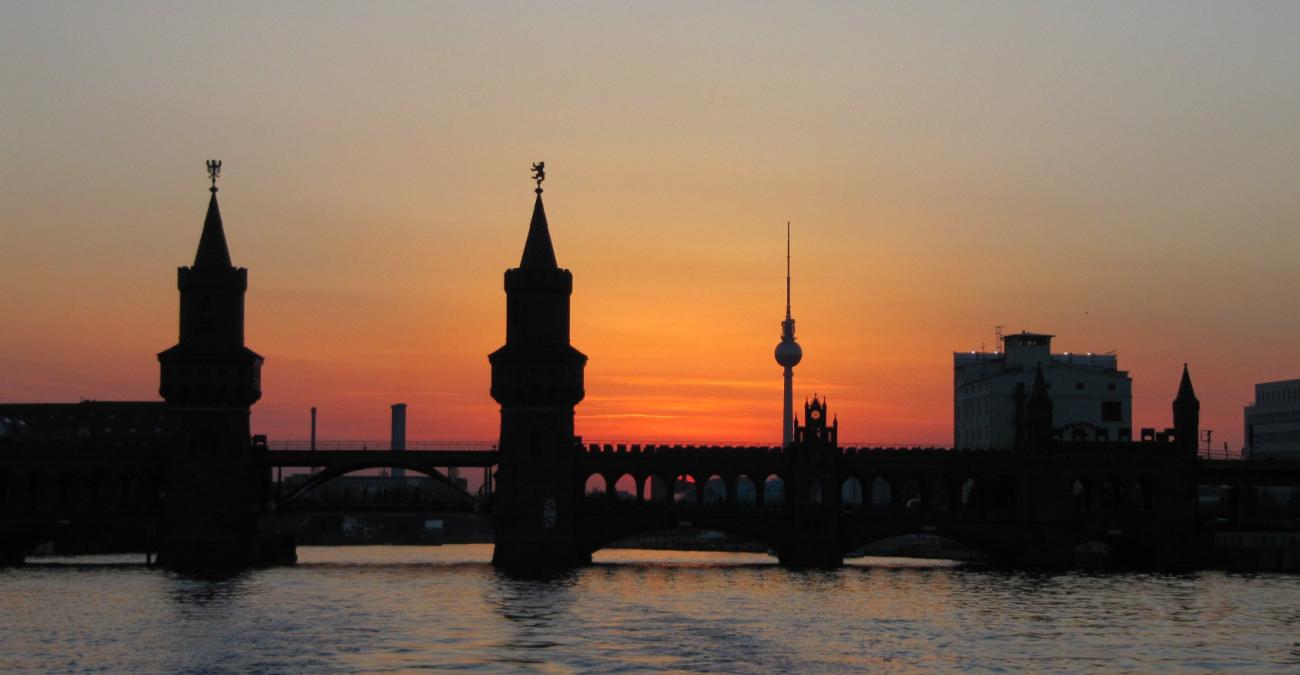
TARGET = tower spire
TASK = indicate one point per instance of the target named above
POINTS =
(213, 251)
(787, 270)
(538, 251)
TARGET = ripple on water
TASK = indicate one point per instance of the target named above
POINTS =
(401, 608)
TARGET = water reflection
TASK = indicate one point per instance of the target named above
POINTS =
(442, 608)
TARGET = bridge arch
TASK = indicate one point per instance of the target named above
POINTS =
(656, 490)
(745, 494)
(686, 491)
(970, 497)
(594, 489)
(624, 489)
(387, 461)
(757, 534)
(882, 495)
(941, 501)
(774, 492)
(970, 541)
(851, 495)
(713, 494)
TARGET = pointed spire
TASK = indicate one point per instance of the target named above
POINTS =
(538, 251)
(213, 251)
(1185, 391)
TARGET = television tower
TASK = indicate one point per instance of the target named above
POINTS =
(788, 354)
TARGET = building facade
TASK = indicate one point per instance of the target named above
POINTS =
(1273, 421)
(1091, 398)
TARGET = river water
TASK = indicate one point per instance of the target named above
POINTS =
(408, 608)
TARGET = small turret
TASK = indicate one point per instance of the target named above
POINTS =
(1187, 414)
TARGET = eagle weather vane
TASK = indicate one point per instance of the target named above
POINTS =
(214, 171)
(539, 175)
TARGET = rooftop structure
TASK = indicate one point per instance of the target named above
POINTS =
(1091, 398)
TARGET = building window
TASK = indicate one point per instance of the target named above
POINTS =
(1110, 387)
(1078, 385)
(1112, 411)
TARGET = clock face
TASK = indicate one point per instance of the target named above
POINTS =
(816, 414)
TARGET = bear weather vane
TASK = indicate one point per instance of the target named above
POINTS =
(214, 171)
(539, 175)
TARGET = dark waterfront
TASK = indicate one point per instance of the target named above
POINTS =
(409, 608)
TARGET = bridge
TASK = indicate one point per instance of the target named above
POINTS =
(191, 483)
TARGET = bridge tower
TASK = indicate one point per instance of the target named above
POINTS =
(537, 377)
(814, 484)
(213, 487)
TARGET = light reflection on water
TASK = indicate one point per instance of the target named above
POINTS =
(399, 608)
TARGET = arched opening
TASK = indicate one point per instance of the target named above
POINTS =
(625, 489)
(685, 496)
(911, 496)
(1138, 496)
(1108, 497)
(774, 493)
(715, 492)
(882, 495)
(594, 490)
(851, 495)
(815, 493)
(655, 492)
(1081, 496)
(746, 493)
(941, 498)
(970, 496)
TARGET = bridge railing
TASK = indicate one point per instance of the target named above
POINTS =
(1220, 453)
(383, 446)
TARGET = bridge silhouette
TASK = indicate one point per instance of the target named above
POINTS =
(204, 491)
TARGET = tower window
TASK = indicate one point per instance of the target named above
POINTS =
(1112, 411)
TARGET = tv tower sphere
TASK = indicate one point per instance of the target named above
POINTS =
(789, 353)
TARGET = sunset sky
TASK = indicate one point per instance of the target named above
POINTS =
(1122, 175)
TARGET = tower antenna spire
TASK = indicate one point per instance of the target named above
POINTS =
(787, 269)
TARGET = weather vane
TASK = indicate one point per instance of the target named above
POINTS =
(539, 174)
(214, 170)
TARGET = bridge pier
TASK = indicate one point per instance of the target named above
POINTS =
(803, 555)
(548, 553)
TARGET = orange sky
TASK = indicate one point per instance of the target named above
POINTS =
(1122, 177)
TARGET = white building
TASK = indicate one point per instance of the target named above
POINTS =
(1091, 398)
(1273, 421)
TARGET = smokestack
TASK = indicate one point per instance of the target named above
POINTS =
(313, 427)
(399, 435)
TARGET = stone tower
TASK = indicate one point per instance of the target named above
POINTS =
(537, 377)
(213, 484)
